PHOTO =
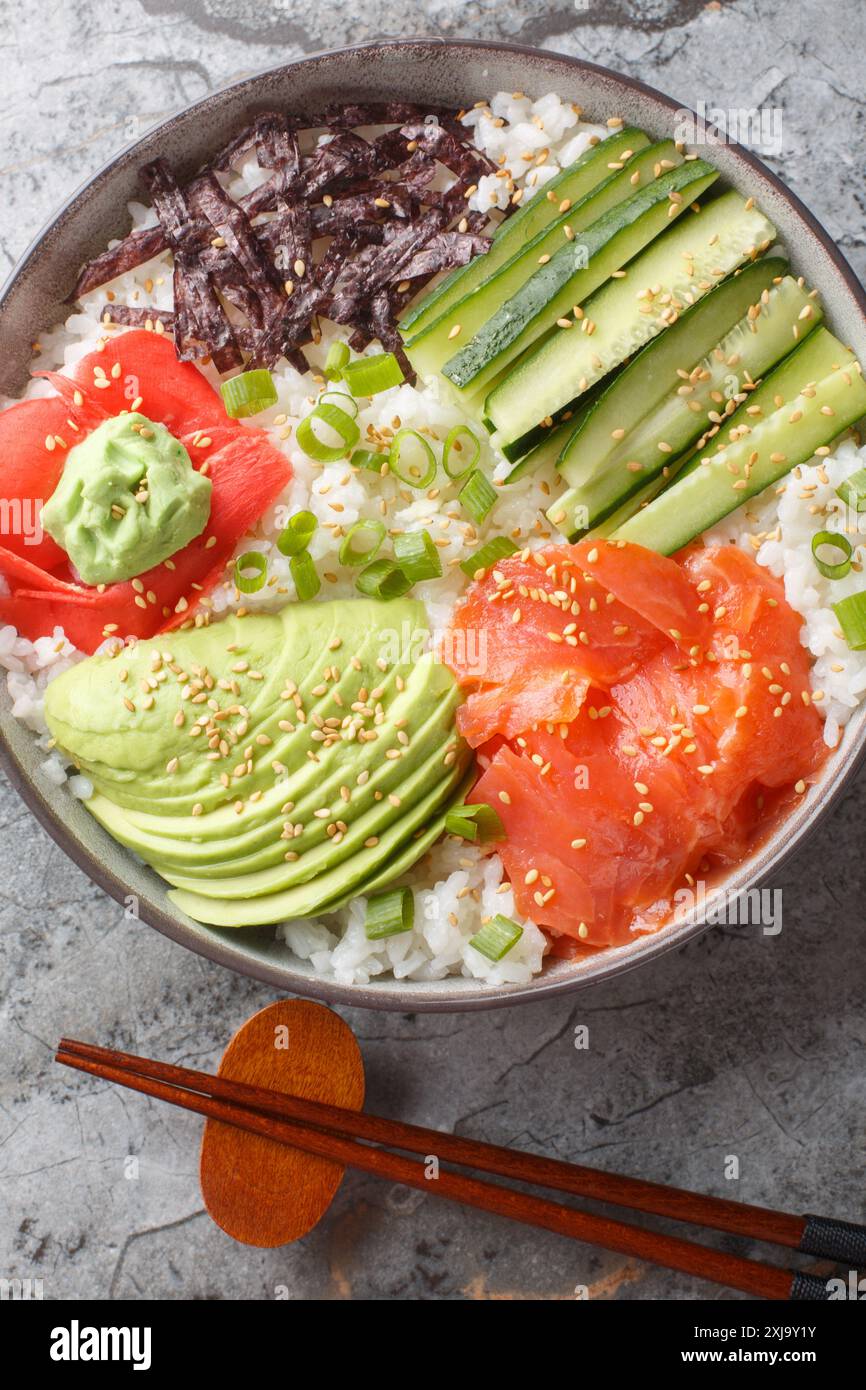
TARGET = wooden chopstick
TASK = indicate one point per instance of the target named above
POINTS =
(720, 1267)
(718, 1213)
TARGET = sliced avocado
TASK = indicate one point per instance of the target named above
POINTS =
(419, 844)
(307, 899)
(213, 862)
(325, 707)
(214, 845)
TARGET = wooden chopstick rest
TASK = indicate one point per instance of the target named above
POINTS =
(261, 1192)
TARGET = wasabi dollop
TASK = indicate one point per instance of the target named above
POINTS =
(128, 499)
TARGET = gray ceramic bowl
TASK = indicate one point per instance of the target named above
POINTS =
(423, 70)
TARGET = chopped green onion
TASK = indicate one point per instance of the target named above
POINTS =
(366, 376)
(368, 458)
(389, 913)
(307, 581)
(411, 473)
(853, 491)
(248, 393)
(336, 419)
(478, 823)
(383, 579)
(338, 356)
(342, 400)
(455, 470)
(417, 556)
(851, 613)
(250, 571)
(496, 937)
(477, 496)
(350, 553)
(297, 533)
(499, 548)
(837, 542)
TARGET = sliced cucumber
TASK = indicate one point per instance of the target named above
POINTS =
(639, 500)
(575, 182)
(546, 451)
(653, 374)
(432, 346)
(822, 392)
(677, 270)
(761, 338)
(571, 415)
(572, 273)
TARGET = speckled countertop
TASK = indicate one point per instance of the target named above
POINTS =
(740, 1045)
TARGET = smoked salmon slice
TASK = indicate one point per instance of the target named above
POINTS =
(694, 718)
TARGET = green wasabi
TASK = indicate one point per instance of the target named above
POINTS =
(129, 498)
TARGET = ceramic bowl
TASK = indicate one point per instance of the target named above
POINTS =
(439, 73)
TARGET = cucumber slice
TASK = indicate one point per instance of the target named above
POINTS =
(761, 338)
(434, 345)
(572, 273)
(511, 236)
(546, 451)
(722, 235)
(571, 416)
(639, 500)
(764, 447)
(652, 375)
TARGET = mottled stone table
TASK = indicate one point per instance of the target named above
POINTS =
(738, 1045)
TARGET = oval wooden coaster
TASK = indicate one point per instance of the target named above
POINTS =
(258, 1191)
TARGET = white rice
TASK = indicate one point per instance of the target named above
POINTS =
(455, 886)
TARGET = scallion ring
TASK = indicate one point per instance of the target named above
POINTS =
(838, 542)
(417, 556)
(369, 459)
(499, 548)
(452, 444)
(367, 376)
(297, 533)
(497, 937)
(307, 581)
(477, 496)
(248, 393)
(351, 553)
(389, 913)
(335, 418)
(341, 400)
(251, 571)
(383, 579)
(411, 473)
(478, 823)
(851, 612)
(853, 491)
(336, 360)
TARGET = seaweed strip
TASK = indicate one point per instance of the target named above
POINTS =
(201, 325)
(443, 252)
(389, 233)
(136, 316)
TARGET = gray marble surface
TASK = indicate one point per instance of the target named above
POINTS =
(739, 1045)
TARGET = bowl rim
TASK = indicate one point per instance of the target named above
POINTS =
(415, 996)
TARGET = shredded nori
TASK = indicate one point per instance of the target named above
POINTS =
(248, 286)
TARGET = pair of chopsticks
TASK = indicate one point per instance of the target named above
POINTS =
(347, 1137)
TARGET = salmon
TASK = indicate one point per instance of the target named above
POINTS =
(631, 763)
